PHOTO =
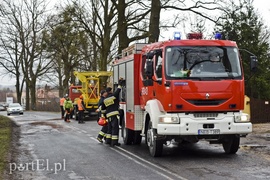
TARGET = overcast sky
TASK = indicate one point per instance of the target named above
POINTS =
(263, 9)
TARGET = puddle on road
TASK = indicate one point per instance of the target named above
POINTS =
(252, 146)
(35, 127)
(42, 125)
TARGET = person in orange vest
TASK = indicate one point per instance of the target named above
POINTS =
(81, 109)
(62, 100)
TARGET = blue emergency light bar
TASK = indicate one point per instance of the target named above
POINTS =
(218, 36)
(177, 35)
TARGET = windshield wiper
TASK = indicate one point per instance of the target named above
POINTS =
(194, 78)
(207, 78)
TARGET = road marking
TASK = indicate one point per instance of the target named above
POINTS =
(84, 131)
(128, 155)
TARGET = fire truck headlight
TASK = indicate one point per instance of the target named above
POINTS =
(241, 118)
(169, 120)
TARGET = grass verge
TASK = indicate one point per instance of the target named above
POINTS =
(5, 142)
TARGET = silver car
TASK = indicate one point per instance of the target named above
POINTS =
(14, 108)
(2, 108)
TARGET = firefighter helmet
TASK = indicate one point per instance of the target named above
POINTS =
(102, 121)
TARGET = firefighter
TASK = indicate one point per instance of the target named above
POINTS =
(110, 107)
(103, 132)
(62, 100)
(81, 109)
(67, 107)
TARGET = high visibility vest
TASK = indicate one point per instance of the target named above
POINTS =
(80, 105)
(62, 100)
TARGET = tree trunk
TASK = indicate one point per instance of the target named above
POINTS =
(122, 26)
(27, 98)
(33, 95)
(154, 21)
(18, 90)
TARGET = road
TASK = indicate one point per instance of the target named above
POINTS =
(49, 148)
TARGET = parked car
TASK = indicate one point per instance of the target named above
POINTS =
(2, 108)
(14, 108)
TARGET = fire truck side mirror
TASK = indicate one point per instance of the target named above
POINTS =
(149, 69)
(253, 60)
(253, 63)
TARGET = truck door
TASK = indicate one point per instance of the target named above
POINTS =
(160, 91)
(146, 82)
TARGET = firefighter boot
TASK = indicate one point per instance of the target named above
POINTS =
(115, 142)
(108, 139)
(99, 140)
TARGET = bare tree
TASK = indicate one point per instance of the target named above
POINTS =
(98, 19)
(68, 46)
(10, 54)
(131, 18)
(202, 9)
(28, 18)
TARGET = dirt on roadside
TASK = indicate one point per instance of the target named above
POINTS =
(14, 151)
(261, 128)
(258, 141)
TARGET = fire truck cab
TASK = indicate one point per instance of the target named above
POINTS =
(185, 91)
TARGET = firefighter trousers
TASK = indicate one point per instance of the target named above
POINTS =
(80, 116)
(103, 132)
(113, 130)
(67, 114)
(62, 111)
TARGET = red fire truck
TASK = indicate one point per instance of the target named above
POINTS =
(183, 91)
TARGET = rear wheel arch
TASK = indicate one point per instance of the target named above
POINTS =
(146, 124)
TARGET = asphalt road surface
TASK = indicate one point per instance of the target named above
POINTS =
(50, 148)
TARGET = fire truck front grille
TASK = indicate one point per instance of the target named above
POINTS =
(205, 115)
(207, 102)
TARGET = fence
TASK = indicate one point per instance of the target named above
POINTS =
(48, 105)
(260, 111)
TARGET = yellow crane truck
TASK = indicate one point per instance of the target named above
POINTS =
(89, 87)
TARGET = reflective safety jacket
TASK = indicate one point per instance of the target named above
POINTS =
(68, 104)
(62, 100)
(80, 105)
(110, 105)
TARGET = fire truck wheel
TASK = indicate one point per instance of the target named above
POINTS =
(155, 145)
(137, 137)
(127, 134)
(231, 144)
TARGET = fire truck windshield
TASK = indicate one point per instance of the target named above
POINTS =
(202, 62)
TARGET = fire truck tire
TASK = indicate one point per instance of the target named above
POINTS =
(137, 137)
(231, 144)
(155, 145)
(127, 134)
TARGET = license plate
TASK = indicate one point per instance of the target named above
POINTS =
(208, 131)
